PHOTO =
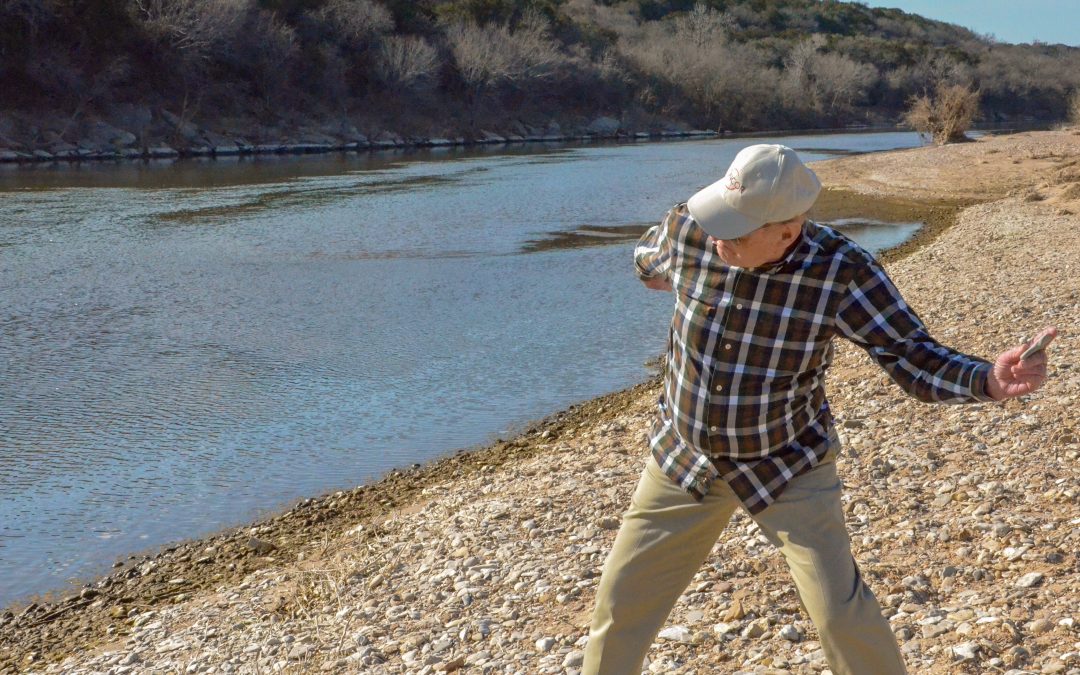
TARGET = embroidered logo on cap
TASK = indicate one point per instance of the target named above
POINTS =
(735, 181)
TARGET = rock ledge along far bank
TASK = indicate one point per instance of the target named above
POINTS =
(965, 520)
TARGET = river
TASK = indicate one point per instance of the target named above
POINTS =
(189, 345)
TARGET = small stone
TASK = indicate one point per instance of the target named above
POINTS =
(790, 633)
(735, 612)
(1030, 579)
(574, 659)
(442, 645)
(451, 666)
(545, 644)
(676, 634)
(259, 546)
(756, 628)
(1040, 626)
(966, 651)
(608, 523)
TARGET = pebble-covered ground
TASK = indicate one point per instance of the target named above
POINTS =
(965, 520)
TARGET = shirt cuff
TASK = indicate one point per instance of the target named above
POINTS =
(979, 377)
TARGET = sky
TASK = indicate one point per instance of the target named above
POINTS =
(1051, 21)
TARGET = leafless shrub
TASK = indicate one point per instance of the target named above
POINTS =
(1074, 107)
(730, 83)
(703, 25)
(841, 82)
(829, 83)
(355, 22)
(194, 28)
(946, 115)
(406, 61)
(617, 20)
(494, 54)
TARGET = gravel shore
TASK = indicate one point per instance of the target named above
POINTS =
(965, 520)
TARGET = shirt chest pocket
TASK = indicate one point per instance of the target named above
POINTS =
(783, 340)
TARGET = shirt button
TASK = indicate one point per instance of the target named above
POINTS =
(738, 306)
(719, 387)
(727, 346)
(713, 428)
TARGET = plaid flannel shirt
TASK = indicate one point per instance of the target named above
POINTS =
(744, 388)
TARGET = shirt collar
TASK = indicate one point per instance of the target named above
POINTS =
(798, 253)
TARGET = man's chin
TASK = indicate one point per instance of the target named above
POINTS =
(729, 259)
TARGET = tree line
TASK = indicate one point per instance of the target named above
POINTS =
(466, 64)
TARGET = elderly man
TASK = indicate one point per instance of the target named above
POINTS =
(760, 292)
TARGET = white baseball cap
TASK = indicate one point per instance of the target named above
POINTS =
(764, 184)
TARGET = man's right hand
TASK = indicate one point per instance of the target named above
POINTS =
(657, 283)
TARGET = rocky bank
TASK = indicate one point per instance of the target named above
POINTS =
(965, 520)
(134, 132)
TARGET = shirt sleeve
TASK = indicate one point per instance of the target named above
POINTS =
(873, 315)
(652, 255)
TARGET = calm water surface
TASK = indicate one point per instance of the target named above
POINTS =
(186, 346)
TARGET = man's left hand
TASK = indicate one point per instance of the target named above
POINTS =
(1012, 377)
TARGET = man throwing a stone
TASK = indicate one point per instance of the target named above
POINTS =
(760, 293)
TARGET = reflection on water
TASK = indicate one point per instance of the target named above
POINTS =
(874, 234)
(185, 347)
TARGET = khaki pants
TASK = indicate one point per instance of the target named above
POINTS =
(666, 536)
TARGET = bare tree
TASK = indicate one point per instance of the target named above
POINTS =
(703, 25)
(494, 54)
(946, 115)
(405, 61)
(486, 55)
(830, 83)
(194, 28)
(355, 22)
(840, 82)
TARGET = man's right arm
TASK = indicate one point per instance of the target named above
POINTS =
(652, 256)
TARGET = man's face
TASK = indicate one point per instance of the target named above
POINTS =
(765, 245)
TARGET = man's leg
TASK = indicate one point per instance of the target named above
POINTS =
(664, 538)
(807, 524)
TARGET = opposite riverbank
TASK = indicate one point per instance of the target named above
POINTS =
(965, 520)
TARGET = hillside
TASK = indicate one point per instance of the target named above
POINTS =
(97, 76)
